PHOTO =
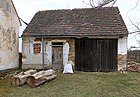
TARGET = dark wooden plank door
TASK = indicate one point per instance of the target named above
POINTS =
(96, 54)
(57, 57)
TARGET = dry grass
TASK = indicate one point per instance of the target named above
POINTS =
(80, 84)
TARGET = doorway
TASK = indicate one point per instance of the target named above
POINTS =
(57, 56)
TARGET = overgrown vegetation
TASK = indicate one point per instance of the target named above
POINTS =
(80, 84)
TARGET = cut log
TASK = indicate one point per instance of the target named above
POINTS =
(40, 78)
(43, 73)
(49, 78)
(13, 81)
(21, 78)
(30, 72)
(32, 82)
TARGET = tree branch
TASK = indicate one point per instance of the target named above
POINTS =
(134, 32)
(136, 26)
(105, 2)
(134, 6)
(101, 3)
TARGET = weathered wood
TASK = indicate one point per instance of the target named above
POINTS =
(31, 71)
(13, 81)
(32, 78)
(32, 82)
(40, 78)
(21, 78)
(96, 55)
(49, 78)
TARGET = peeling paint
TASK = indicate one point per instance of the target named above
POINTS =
(31, 58)
(68, 52)
(7, 38)
(6, 7)
(9, 27)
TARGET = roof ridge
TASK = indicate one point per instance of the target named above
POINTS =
(77, 9)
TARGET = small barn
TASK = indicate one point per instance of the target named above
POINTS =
(93, 39)
(9, 30)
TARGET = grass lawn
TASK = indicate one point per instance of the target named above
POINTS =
(79, 84)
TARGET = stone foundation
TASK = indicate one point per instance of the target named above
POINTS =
(71, 50)
(122, 62)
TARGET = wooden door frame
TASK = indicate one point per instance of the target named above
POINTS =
(57, 44)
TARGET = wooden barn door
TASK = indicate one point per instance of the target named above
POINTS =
(96, 54)
(57, 57)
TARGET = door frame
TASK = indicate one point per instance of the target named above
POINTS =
(57, 44)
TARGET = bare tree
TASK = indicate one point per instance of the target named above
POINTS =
(136, 31)
(100, 3)
(136, 25)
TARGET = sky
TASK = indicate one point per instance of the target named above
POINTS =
(27, 8)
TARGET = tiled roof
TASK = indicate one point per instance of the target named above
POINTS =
(105, 21)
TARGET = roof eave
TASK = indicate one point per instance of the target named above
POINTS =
(78, 36)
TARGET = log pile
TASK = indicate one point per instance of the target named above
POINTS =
(20, 78)
(133, 67)
(40, 78)
(33, 78)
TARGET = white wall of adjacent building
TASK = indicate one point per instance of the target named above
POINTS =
(9, 28)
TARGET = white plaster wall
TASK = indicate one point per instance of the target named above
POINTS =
(122, 46)
(29, 58)
(122, 53)
(27, 52)
(48, 53)
(9, 28)
(65, 53)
